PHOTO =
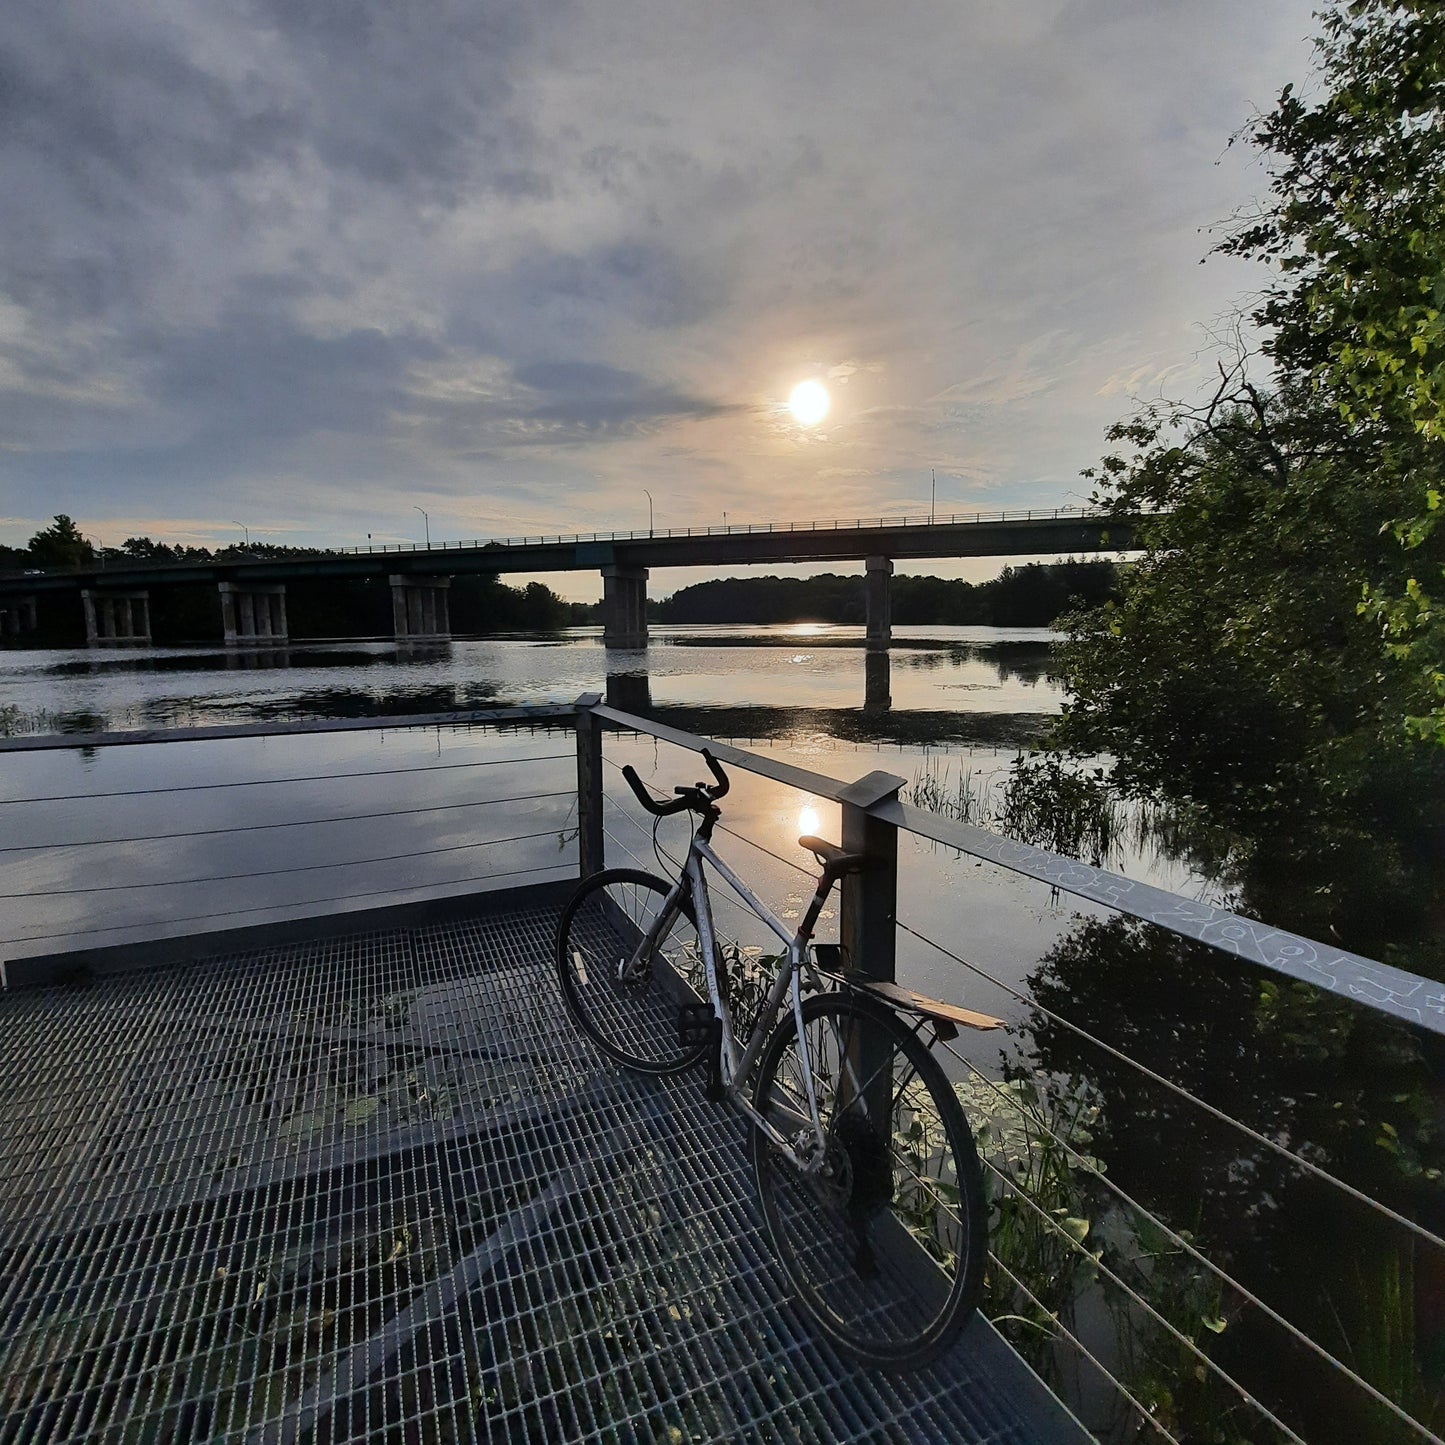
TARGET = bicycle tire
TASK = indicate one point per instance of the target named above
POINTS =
(885, 1250)
(634, 1022)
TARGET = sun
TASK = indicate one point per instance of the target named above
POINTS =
(809, 403)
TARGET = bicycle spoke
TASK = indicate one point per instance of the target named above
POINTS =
(883, 1239)
(627, 998)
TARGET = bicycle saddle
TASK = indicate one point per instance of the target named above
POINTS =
(835, 860)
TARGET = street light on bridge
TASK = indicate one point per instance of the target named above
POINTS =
(244, 528)
(426, 522)
(648, 495)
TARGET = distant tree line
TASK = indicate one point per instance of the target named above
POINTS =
(62, 547)
(1029, 596)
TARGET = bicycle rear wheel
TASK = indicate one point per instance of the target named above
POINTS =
(885, 1244)
(633, 1020)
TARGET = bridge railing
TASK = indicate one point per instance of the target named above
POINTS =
(1166, 1072)
(744, 529)
(1140, 1100)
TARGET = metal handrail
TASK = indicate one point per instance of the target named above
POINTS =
(59, 742)
(745, 529)
(1364, 981)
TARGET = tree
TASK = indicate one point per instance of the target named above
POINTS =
(147, 549)
(1274, 660)
(1357, 230)
(1235, 675)
(61, 545)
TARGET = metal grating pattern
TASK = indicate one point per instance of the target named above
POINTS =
(377, 1188)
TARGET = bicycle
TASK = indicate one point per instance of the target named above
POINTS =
(864, 1162)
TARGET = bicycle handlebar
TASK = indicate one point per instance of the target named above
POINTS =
(715, 768)
(699, 796)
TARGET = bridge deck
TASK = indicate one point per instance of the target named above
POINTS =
(374, 1187)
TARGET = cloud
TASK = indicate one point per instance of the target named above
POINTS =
(520, 261)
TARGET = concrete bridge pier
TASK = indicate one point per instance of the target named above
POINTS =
(253, 614)
(17, 615)
(878, 601)
(419, 609)
(116, 619)
(624, 606)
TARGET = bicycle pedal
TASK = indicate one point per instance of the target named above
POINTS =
(695, 1023)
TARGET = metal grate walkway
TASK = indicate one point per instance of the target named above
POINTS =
(376, 1188)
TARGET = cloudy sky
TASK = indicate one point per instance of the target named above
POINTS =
(307, 264)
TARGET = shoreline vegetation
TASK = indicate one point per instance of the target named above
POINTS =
(1034, 595)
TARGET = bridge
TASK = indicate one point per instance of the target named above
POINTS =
(252, 591)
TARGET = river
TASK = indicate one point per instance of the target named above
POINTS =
(121, 845)
(947, 707)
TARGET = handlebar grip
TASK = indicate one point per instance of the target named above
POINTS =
(661, 810)
(716, 769)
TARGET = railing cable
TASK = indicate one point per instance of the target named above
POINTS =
(1243, 1291)
(1079, 1345)
(275, 872)
(275, 782)
(290, 904)
(1249, 1132)
(1056, 1228)
(292, 823)
(762, 848)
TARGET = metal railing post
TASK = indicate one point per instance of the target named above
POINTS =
(591, 848)
(867, 927)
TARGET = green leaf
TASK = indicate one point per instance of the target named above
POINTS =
(361, 1111)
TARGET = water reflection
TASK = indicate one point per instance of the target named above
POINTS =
(877, 671)
(430, 650)
(257, 659)
(1351, 1090)
(385, 702)
(161, 661)
(939, 686)
(630, 690)
(1028, 663)
(119, 845)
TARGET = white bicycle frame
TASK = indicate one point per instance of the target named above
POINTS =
(737, 1067)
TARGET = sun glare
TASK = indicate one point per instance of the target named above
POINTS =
(808, 822)
(809, 403)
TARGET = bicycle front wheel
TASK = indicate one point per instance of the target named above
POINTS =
(629, 1007)
(885, 1242)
